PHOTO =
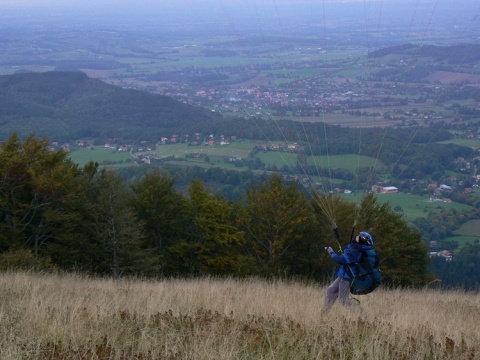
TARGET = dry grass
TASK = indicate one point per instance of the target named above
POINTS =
(75, 317)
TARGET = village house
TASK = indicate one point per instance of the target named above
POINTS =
(384, 189)
(444, 253)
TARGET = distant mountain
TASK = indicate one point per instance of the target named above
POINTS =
(69, 105)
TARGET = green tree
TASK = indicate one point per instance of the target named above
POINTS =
(48, 204)
(74, 218)
(164, 215)
(116, 229)
(215, 243)
(274, 218)
(36, 182)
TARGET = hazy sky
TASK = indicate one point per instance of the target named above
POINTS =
(137, 3)
(470, 6)
(245, 15)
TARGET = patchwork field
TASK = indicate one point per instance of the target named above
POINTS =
(410, 206)
(106, 155)
(449, 77)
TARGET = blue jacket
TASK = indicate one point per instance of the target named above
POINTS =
(351, 256)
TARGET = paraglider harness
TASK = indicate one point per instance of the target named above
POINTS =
(369, 276)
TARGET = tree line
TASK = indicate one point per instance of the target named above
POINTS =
(55, 215)
(463, 272)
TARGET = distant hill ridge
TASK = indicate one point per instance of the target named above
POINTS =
(454, 54)
(69, 105)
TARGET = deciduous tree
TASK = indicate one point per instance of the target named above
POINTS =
(215, 243)
(274, 219)
(36, 183)
(163, 214)
(117, 231)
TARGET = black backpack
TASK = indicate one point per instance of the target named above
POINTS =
(369, 276)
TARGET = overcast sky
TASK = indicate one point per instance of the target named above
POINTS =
(236, 14)
(218, 2)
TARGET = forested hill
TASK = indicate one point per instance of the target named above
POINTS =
(70, 105)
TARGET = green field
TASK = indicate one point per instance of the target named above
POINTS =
(410, 206)
(240, 150)
(470, 229)
(415, 206)
(196, 61)
(462, 141)
(348, 162)
(277, 158)
(463, 240)
(98, 154)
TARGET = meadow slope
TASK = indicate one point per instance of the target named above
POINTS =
(77, 317)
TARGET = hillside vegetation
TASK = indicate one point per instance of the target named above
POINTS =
(90, 220)
(76, 317)
(70, 105)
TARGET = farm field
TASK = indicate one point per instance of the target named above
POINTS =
(470, 229)
(463, 142)
(105, 155)
(98, 154)
(241, 150)
(277, 158)
(412, 206)
(463, 240)
(347, 162)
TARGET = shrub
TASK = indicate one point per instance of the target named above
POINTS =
(22, 259)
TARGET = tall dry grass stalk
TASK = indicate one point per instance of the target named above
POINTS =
(76, 317)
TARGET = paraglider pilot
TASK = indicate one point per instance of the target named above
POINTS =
(347, 270)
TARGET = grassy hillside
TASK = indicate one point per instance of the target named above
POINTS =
(99, 154)
(73, 317)
(70, 105)
(415, 206)
(470, 228)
